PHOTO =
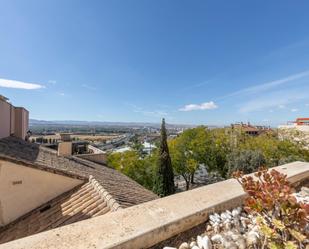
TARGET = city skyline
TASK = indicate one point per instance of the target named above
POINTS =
(205, 62)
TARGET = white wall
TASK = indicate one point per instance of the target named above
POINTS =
(23, 188)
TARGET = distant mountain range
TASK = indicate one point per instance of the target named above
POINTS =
(35, 122)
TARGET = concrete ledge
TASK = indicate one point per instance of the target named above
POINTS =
(147, 224)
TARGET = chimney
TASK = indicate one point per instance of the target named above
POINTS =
(21, 121)
(65, 149)
(65, 137)
(65, 146)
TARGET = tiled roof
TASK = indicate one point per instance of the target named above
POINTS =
(80, 203)
(124, 190)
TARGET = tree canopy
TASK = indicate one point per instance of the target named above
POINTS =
(220, 151)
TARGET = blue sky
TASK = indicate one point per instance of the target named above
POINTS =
(194, 62)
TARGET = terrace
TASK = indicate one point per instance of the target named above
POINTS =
(154, 223)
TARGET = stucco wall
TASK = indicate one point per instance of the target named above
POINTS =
(13, 120)
(5, 109)
(23, 188)
(21, 122)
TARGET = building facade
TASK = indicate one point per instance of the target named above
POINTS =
(14, 121)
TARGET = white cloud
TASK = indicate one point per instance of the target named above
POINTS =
(204, 106)
(294, 110)
(52, 82)
(281, 106)
(19, 84)
(61, 94)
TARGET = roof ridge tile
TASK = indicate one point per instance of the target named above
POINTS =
(111, 202)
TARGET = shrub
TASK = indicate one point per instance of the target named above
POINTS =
(281, 220)
(247, 161)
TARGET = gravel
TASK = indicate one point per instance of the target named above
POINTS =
(233, 229)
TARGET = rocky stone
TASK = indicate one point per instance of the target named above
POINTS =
(252, 238)
(241, 243)
(184, 245)
(230, 245)
(195, 247)
(217, 238)
(208, 228)
(204, 242)
(192, 244)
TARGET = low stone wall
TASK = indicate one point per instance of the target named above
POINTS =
(147, 224)
(99, 158)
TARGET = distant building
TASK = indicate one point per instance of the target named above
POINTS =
(302, 121)
(14, 121)
(301, 124)
(252, 130)
(148, 147)
(296, 131)
(122, 149)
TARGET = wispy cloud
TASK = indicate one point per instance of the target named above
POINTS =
(89, 87)
(149, 113)
(156, 113)
(268, 85)
(274, 99)
(203, 106)
(52, 82)
(294, 110)
(197, 85)
(19, 84)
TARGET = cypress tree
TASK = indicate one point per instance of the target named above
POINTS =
(164, 177)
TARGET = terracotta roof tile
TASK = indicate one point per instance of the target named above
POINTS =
(124, 190)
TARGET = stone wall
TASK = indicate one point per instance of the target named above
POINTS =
(96, 158)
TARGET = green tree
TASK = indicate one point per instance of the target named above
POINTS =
(246, 161)
(138, 147)
(132, 165)
(222, 144)
(182, 160)
(164, 175)
(274, 150)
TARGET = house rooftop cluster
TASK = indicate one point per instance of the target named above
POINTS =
(250, 129)
(98, 189)
(41, 190)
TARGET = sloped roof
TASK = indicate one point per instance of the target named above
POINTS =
(124, 190)
(80, 203)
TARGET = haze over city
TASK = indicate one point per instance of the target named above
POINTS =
(138, 61)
